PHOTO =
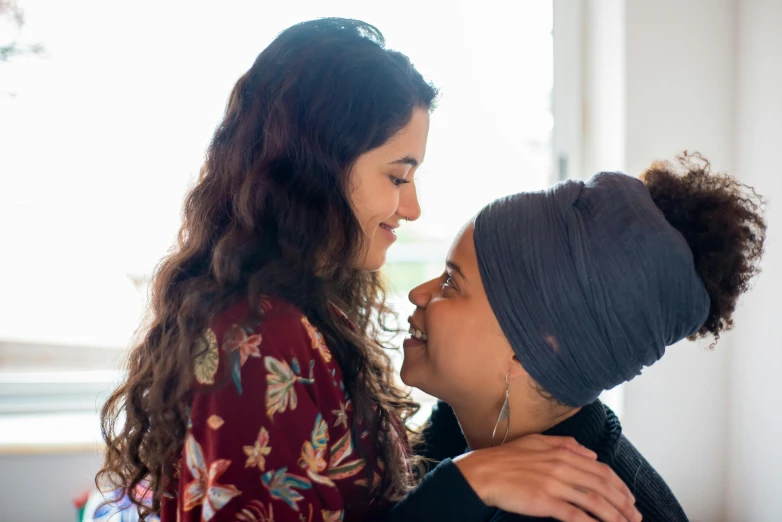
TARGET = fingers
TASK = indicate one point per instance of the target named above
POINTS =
(566, 512)
(600, 472)
(568, 450)
(596, 494)
(563, 480)
(604, 472)
(593, 503)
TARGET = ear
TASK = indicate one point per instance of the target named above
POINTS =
(515, 367)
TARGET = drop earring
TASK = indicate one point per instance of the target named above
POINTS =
(504, 413)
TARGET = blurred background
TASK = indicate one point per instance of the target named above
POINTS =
(106, 110)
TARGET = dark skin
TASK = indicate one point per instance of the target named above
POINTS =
(531, 474)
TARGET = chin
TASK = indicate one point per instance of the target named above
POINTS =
(411, 370)
(406, 375)
(421, 384)
(374, 261)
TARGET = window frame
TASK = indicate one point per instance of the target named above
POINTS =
(81, 380)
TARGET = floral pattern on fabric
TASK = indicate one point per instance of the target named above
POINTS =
(205, 489)
(281, 378)
(266, 305)
(236, 339)
(318, 342)
(275, 445)
(207, 358)
(240, 346)
(339, 468)
(342, 413)
(283, 485)
(214, 422)
(313, 453)
(256, 455)
(333, 516)
(256, 511)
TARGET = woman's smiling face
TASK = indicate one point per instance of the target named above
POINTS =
(465, 354)
(383, 189)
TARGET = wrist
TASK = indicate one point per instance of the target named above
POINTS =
(474, 466)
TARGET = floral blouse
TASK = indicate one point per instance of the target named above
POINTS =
(274, 444)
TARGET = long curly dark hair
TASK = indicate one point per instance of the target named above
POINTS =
(270, 215)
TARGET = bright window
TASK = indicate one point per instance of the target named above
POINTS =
(102, 136)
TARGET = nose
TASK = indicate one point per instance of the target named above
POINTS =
(408, 203)
(422, 294)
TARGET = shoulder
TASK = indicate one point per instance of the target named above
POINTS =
(285, 327)
(272, 312)
(281, 318)
(247, 340)
(654, 498)
(277, 324)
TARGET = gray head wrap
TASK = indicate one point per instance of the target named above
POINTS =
(588, 281)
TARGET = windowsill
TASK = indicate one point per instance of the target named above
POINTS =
(50, 433)
(79, 431)
(52, 412)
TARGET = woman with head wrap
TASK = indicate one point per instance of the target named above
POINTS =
(549, 298)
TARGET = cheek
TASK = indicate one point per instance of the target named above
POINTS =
(371, 215)
(379, 201)
(451, 327)
(454, 352)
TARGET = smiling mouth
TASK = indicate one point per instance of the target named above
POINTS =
(417, 334)
(386, 227)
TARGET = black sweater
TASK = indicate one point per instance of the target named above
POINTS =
(444, 494)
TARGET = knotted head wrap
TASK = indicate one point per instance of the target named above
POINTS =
(588, 281)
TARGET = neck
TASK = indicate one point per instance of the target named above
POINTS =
(526, 418)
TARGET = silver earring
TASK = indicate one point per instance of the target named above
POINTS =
(504, 413)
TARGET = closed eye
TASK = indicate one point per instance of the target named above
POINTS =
(398, 181)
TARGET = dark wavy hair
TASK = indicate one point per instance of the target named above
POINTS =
(270, 215)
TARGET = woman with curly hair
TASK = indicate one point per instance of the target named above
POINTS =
(550, 298)
(261, 389)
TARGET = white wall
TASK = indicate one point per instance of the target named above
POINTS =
(701, 75)
(755, 436)
(603, 99)
(36, 488)
(680, 67)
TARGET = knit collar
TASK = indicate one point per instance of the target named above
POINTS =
(595, 426)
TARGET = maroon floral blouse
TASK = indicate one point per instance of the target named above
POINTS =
(275, 443)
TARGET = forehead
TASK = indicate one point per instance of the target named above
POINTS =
(409, 141)
(462, 250)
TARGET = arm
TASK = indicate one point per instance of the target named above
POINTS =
(536, 476)
(443, 494)
(547, 476)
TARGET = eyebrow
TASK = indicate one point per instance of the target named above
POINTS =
(453, 266)
(407, 160)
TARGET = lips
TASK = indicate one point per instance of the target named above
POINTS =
(417, 334)
(388, 227)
